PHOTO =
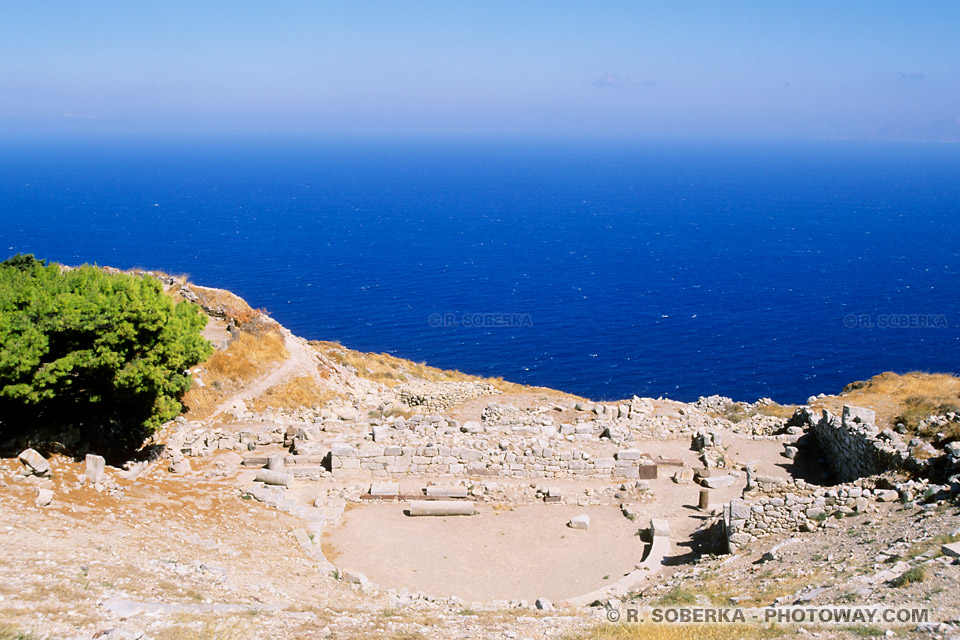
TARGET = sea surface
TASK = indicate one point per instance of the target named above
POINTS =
(674, 269)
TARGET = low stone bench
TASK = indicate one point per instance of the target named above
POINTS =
(441, 508)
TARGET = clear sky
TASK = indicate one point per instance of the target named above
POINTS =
(768, 68)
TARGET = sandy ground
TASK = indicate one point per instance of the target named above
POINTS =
(521, 553)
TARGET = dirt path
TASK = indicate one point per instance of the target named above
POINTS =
(301, 360)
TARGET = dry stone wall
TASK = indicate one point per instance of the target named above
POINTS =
(855, 448)
(440, 396)
(533, 461)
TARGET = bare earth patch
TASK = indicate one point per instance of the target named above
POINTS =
(525, 552)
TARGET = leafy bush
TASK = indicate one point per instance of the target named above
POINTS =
(104, 352)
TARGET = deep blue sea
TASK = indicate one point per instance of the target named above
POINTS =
(684, 269)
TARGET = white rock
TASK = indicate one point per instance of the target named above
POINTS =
(718, 482)
(94, 468)
(383, 489)
(44, 497)
(579, 522)
(35, 462)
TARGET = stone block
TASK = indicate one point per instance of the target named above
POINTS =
(44, 497)
(579, 522)
(858, 415)
(647, 472)
(94, 468)
(739, 510)
(659, 527)
(355, 577)
(341, 450)
(34, 462)
(952, 550)
(718, 482)
(815, 513)
(471, 426)
(441, 508)
(628, 454)
(447, 492)
(384, 489)
(371, 450)
(275, 462)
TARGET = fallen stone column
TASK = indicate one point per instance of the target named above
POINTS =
(441, 508)
(274, 477)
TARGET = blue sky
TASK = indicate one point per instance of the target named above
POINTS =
(617, 69)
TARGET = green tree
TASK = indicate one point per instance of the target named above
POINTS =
(105, 352)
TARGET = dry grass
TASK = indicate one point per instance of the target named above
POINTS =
(302, 391)
(227, 371)
(391, 370)
(784, 411)
(329, 551)
(906, 398)
(738, 412)
(651, 631)
(225, 303)
(199, 628)
(9, 632)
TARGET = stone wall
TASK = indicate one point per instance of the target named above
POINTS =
(440, 396)
(770, 506)
(535, 461)
(777, 506)
(854, 447)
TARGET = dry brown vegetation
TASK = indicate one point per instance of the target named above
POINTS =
(901, 398)
(391, 370)
(738, 412)
(226, 372)
(226, 304)
(302, 391)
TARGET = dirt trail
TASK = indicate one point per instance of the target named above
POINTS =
(301, 360)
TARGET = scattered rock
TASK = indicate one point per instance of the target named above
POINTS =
(180, 466)
(35, 463)
(44, 497)
(579, 522)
